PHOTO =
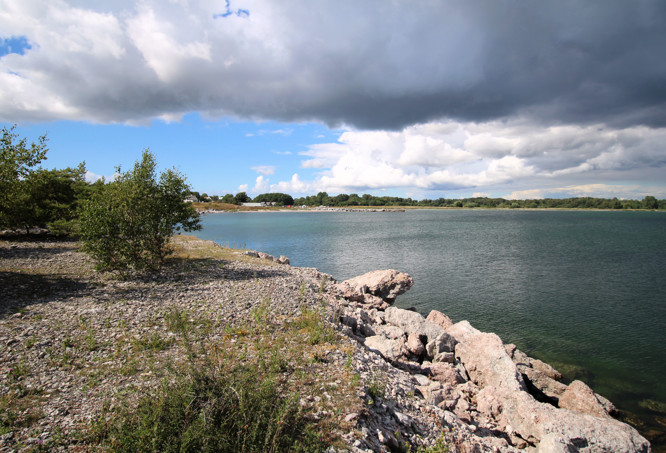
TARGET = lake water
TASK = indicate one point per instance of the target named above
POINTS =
(582, 290)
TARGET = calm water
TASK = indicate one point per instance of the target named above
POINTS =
(584, 291)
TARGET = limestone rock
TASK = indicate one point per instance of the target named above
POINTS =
(548, 387)
(440, 319)
(415, 345)
(413, 323)
(384, 285)
(388, 348)
(503, 398)
(579, 397)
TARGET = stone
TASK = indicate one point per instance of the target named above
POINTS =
(504, 398)
(448, 357)
(388, 348)
(579, 397)
(415, 345)
(440, 319)
(442, 343)
(383, 284)
(548, 387)
(283, 260)
(445, 373)
(413, 323)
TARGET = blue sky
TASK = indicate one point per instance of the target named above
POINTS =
(218, 157)
(451, 99)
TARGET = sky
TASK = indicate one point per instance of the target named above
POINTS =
(421, 99)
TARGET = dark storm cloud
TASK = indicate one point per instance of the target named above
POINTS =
(370, 64)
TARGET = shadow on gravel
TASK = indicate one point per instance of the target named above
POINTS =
(19, 290)
(211, 269)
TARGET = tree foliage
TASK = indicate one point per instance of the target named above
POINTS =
(241, 197)
(128, 224)
(278, 198)
(17, 163)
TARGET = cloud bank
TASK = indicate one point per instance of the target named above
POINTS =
(367, 65)
(514, 159)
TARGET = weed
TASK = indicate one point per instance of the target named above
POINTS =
(67, 342)
(30, 342)
(236, 410)
(439, 447)
(18, 371)
(91, 341)
(376, 388)
(260, 313)
(130, 367)
(312, 323)
(301, 293)
(176, 320)
(153, 342)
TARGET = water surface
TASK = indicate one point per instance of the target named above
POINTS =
(582, 290)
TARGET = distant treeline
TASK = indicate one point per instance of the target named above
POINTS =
(345, 200)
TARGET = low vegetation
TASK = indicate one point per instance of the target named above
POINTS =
(240, 396)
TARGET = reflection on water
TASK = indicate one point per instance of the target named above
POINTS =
(582, 290)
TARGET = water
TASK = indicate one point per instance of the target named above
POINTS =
(584, 291)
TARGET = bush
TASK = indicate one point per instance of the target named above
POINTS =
(128, 224)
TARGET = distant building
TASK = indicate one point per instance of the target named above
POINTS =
(254, 205)
(190, 199)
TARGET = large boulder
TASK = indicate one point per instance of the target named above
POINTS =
(377, 287)
(504, 400)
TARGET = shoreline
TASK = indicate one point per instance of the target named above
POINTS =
(212, 273)
(409, 208)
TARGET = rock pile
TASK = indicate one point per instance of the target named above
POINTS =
(492, 396)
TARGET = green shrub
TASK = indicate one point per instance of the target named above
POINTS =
(127, 225)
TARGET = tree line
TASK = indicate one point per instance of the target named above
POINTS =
(351, 200)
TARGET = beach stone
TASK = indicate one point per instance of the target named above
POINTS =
(579, 397)
(389, 349)
(415, 345)
(384, 284)
(440, 319)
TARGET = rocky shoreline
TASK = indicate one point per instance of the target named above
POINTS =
(70, 337)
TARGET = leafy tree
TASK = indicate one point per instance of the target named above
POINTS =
(276, 197)
(52, 198)
(650, 202)
(228, 198)
(241, 197)
(128, 224)
(17, 162)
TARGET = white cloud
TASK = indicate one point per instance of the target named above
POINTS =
(264, 169)
(92, 177)
(261, 185)
(598, 190)
(451, 156)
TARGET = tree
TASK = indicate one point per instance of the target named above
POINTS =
(241, 197)
(650, 202)
(128, 224)
(52, 197)
(17, 162)
(275, 197)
